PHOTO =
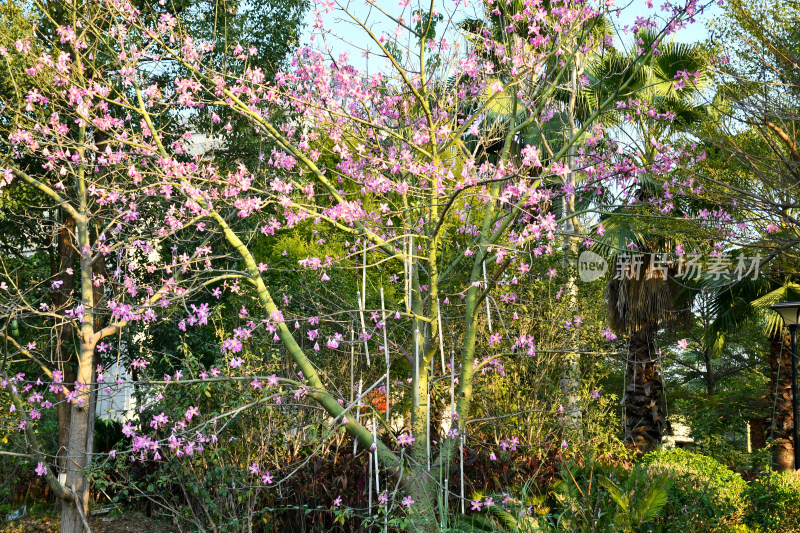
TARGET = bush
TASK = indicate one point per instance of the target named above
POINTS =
(705, 495)
(775, 503)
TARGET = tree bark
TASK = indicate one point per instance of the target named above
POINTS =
(781, 419)
(76, 461)
(62, 352)
(422, 513)
(73, 514)
(758, 433)
(643, 399)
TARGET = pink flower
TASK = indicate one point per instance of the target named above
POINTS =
(683, 344)
(608, 335)
(495, 87)
(407, 502)
(41, 469)
(254, 469)
(337, 502)
(405, 439)
(266, 478)
(476, 505)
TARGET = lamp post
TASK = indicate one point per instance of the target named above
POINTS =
(790, 313)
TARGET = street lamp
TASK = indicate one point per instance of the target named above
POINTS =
(790, 313)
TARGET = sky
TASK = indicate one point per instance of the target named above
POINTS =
(347, 36)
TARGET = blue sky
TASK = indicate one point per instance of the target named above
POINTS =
(349, 37)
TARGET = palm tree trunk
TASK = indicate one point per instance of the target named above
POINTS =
(758, 432)
(643, 399)
(782, 423)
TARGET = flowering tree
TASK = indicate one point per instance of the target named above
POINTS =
(436, 201)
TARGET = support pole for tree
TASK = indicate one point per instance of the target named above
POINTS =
(386, 355)
(441, 334)
(407, 272)
(795, 399)
(416, 367)
(352, 364)
(461, 465)
(369, 471)
(361, 304)
(428, 426)
(452, 386)
(375, 455)
(358, 411)
(488, 308)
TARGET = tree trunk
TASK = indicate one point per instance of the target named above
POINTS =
(422, 513)
(62, 351)
(781, 419)
(72, 517)
(643, 400)
(710, 378)
(758, 433)
(73, 514)
(71, 520)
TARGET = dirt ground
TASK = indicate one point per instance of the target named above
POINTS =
(110, 524)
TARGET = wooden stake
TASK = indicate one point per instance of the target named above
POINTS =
(461, 466)
(375, 455)
(407, 273)
(488, 309)
(452, 386)
(358, 411)
(416, 367)
(363, 324)
(363, 301)
(428, 426)
(386, 354)
(369, 472)
(410, 273)
(441, 335)
(352, 363)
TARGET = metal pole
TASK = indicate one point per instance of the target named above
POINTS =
(795, 409)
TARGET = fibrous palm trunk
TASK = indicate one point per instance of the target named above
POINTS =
(643, 399)
(781, 419)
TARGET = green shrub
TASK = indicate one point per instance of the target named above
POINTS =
(775, 503)
(704, 495)
(598, 496)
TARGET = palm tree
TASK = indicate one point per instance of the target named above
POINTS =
(639, 306)
(750, 300)
(636, 309)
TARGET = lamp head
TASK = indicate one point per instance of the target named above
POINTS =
(790, 313)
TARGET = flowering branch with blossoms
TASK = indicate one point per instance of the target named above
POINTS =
(425, 174)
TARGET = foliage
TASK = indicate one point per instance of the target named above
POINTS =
(774, 503)
(406, 234)
(704, 494)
